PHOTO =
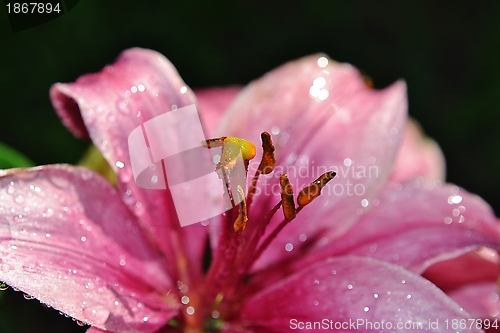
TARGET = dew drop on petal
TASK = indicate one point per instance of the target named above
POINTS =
(288, 247)
(322, 62)
(375, 295)
(190, 310)
(145, 319)
(349, 286)
(96, 315)
(119, 164)
(366, 309)
(184, 299)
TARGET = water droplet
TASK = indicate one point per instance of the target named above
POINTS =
(334, 272)
(190, 310)
(316, 281)
(28, 297)
(11, 188)
(288, 247)
(347, 162)
(215, 314)
(80, 323)
(316, 303)
(454, 199)
(83, 238)
(403, 281)
(119, 164)
(185, 299)
(408, 296)
(145, 319)
(183, 89)
(47, 235)
(448, 220)
(19, 199)
(375, 295)
(48, 213)
(154, 179)
(302, 237)
(322, 62)
(275, 130)
(349, 286)
(60, 182)
(96, 315)
(366, 309)
(133, 89)
(122, 262)
(3, 286)
(364, 203)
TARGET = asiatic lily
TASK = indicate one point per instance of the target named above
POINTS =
(118, 259)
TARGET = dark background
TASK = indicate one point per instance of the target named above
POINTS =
(448, 52)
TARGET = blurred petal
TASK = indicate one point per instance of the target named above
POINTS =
(139, 86)
(480, 299)
(418, 156)
(355, 289)
(472, 267)
(68, 240)
(213, 102)
(321, 118)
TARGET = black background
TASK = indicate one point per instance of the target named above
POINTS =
(448, 52)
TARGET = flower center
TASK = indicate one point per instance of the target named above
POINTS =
(242, 239)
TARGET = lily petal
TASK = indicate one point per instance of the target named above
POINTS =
(322, 119)
(212, 103)
(139, 86)
(481, 300)
(418, 156)
(67, 239)
(350, 290)
(442, 221)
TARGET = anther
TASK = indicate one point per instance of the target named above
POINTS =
(311, 192)
(287, 198)
(266, 165)
(241, 220)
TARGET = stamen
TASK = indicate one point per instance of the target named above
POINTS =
(268, 161)
(311, 192)
(241, 220)
(231, 147)
(287, 198)
(266, 165)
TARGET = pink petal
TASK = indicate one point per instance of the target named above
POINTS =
(67, 239)
(354, 130)
(413, 225)
(139, 86)
(213, 102)
(418, 156)
(481, 300)
(350, 289)
(473, 267)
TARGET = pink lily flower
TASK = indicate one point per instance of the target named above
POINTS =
(117, 258)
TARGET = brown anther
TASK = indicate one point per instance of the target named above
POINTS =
(311, 192)
(266, 165)
(287, 198)
(241, 220)
(211, 143)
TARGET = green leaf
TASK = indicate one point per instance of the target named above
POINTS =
(11, 158)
